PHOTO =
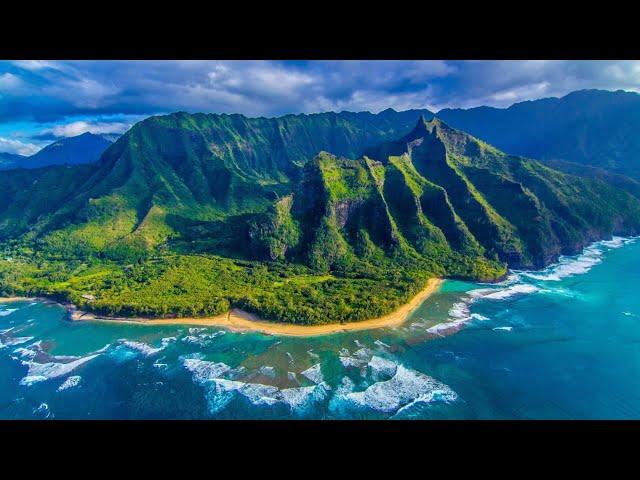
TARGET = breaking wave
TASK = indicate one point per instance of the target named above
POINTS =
(70, 382)
(518, 284)
(222, 388)
(394, 387)
(39, 372)
(578, 264)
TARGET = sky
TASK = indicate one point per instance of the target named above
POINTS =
(42, 101)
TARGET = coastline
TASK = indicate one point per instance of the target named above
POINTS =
(240, 321)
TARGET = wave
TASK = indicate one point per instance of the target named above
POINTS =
(43, 410)
(203, 371)
(39, 372)
(568, 266)
(200, 339)
(7, 311)
(404, 388)
(9, 341)
(70, 382)
(314, 374)
(359, 359)
(268, 371)
(221, 389)
(143, 348)
(506, 329)
(516, 284)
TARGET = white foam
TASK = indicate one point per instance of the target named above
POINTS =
(268, 371)
(460, 312)
(15, 341)
(30, 351)
(301, 398)
(405, 387)
(202, 339)
(445, 327)
(569, 266)
(70, 382)
(221, 391)
(503, 293)
(39, 372)
(314, 374)
(7, 311)
(290, 357)
(143, 348)
(381, 367)
(43, 409)
(203, 371)
(359, 358)
(506, 329)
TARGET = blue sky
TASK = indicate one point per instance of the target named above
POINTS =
(41, 101)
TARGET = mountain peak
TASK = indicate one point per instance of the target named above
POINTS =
(420, 130)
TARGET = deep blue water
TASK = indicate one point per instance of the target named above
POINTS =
(563, 343)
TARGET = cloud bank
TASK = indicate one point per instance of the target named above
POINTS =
(42, 100)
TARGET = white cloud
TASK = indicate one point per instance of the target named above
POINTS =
(33, 65)
(61, 91)
(8, 145)
(10, 83)
(525, 91)
(78, 128)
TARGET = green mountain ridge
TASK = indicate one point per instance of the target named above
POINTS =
(306, 219)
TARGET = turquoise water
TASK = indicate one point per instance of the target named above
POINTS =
(563, 343)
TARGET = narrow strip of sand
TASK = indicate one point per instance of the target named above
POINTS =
(241, 321)
(15, 299)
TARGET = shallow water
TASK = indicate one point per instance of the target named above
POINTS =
(561, 343)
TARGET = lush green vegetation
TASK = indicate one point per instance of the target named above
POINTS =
(190, 215)
(197, 285)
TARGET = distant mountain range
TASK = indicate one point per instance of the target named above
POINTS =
(85, 148)
(590, 127)
(10, 160)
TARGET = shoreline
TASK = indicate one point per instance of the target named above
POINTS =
(240, 321)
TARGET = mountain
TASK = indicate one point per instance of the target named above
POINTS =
(10, 160)
(85, 148)
(591, 127)
(191, 168)
(303, 218)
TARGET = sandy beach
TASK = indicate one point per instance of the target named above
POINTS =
(241, 321)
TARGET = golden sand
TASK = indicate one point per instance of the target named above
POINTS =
(241, 321)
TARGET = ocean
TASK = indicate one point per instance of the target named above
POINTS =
(561, 343)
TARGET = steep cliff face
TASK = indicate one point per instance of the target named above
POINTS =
(517, 210)
(343, 212)
(275, 233)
